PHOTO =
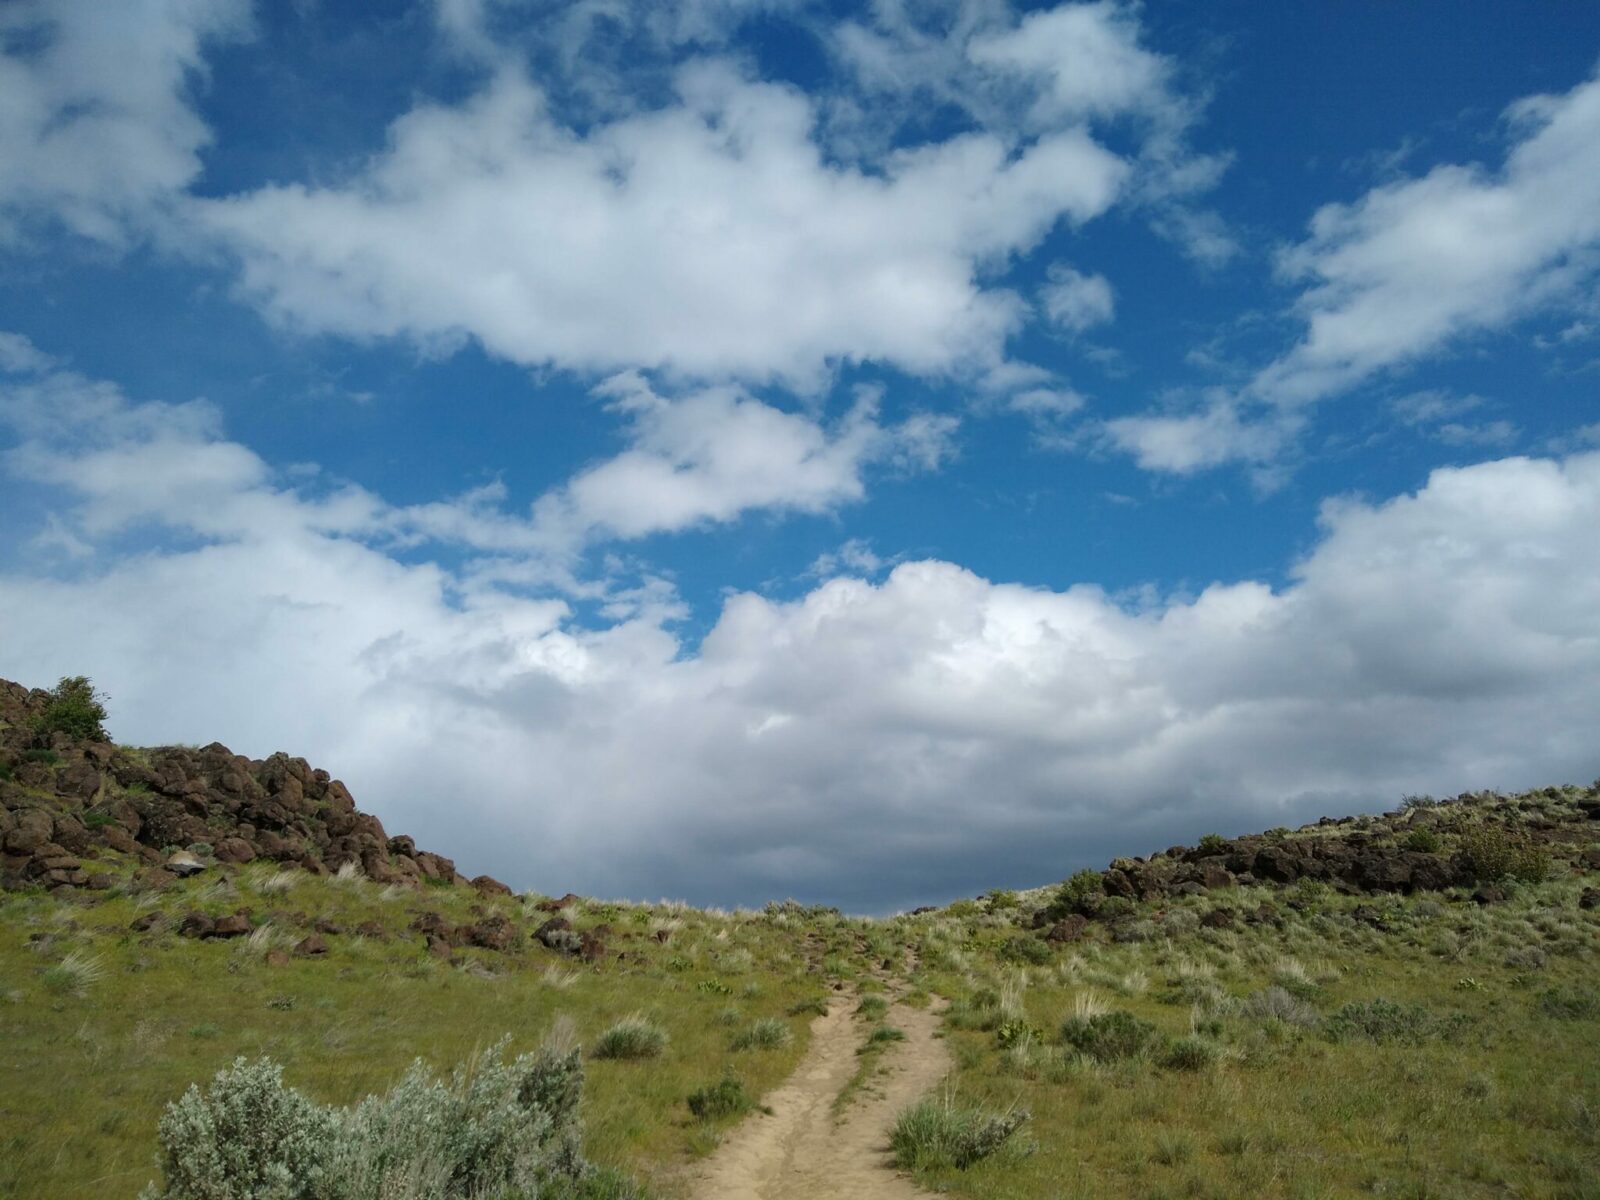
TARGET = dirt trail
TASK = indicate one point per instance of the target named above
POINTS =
(803, 1151)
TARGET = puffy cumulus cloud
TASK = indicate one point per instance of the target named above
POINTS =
(97, 129)
(710, 237)
(717, 453)
(875, 744)
(1419, 262)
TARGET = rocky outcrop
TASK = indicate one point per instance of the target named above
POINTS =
(71, 801)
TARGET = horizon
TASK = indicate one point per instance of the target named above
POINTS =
(758, 449)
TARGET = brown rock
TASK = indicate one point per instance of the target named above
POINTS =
(486, 885)
(154, 879)
(119, 839)
(373, 930)
(276, 958)
(1218, 918)
(237, 925)
(147, 922)
(438, 947)
(311, 945)
(1068, 929)
(235, 850)
(1590, 898)
(1489, 894)
(327, 925)
(493, 933)
(196, 925)
(1215, 876)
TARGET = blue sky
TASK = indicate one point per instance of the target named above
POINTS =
(756, 447)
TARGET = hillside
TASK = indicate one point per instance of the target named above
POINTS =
(1402, 1004)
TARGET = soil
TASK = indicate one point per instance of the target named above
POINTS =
(805, 1150)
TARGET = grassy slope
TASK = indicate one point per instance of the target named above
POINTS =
(86, 1076)
(1503, 1101)
(1500, 1098)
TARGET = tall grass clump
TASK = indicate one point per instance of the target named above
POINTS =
(934, 1134)
(74, 975)
(769, 1033)
(631, 1037)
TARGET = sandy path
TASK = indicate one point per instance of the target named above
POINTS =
(803, 1151)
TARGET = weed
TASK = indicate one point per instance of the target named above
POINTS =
(632, 1037)
(1110, 1036)
(769, 1033)
(936, 1134)
(74, 975)
(1381, 1020)
(725, 1098)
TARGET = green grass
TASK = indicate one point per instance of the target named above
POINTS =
(104, 1026)
(1426, 1046)
(1408, 1061)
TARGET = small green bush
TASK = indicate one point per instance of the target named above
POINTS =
(1569, 1004)
(883, 1035)
(872, 1007)
(48, 757)
(1108, 1037)
(1213, 843)
(6, 773)
(1190, 1054)
(725, 1098)
(769, 1033)
(1424, 841)
(1381, 1020)
(814, 1007)
(631, 1038)
(98, 819)
(934, 1134)
(1001, 899)
(1079, 891)
(75, 709)
(1010, 1032)
(1493, 854)
(1027, 950)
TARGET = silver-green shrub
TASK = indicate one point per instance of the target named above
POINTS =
(495, 1130)
(247, 1138)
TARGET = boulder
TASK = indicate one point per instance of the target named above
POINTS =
(311, 946)
(487, 885)
(1590, 898)
(1218, 918)
(235, 850)
(492, 933)
(196, 925)
(237, 925)
(276, 958)
(1215, 876)
(1068, 929)
(184, 864)
(1489, 894)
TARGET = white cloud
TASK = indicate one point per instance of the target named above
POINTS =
(96, 129)
(1075, 301)
(1090, 56)
(879, 743)
(1417, 263)
(709, 237)
(717, 453)
(1185, 442)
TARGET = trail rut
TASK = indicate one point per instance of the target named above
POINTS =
(804, 1151)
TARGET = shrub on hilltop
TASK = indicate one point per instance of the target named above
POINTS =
(76, 709)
